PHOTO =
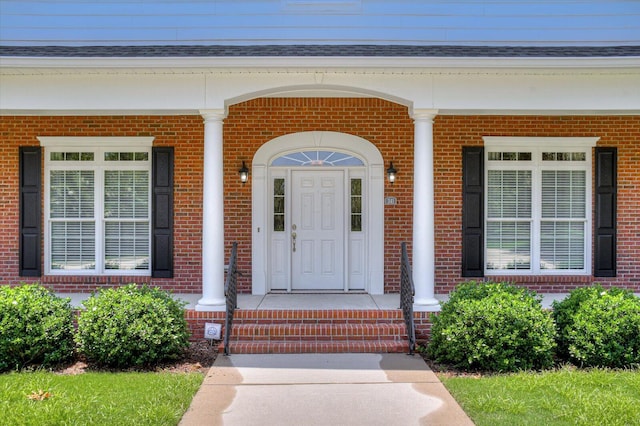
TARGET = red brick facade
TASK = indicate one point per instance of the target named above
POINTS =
(387, 125)
(185, 133)
(451, 133)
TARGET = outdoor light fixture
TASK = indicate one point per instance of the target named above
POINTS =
(244, 173)
(391, 173)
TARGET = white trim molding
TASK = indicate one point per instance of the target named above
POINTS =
(96, 141)
(374, 221)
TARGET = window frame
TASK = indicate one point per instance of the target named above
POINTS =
(97, 145)
(538, 145)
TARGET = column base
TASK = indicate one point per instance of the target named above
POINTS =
(426, 305)
(211, 305)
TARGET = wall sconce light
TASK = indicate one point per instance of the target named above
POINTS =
(391, 173)
(244, 173)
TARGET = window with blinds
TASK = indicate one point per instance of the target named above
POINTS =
(98, 211)
(537, 210)
(562, 227)
(126, 219)
(509, 207)
(72, 219)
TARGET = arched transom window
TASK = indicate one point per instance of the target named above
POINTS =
(317, 158)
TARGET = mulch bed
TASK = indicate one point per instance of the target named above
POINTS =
(198, 357)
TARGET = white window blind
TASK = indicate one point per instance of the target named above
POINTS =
(509, 206)
(126, 213)
(562, 230)
(73, 245)
(72, 219)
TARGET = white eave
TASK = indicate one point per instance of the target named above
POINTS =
(53, 65)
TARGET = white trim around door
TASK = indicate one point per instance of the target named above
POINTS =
(361, 250)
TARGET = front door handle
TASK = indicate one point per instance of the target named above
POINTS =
(293, 240)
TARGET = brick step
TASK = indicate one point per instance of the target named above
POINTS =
(311, 332)
(279, 347)
(317, 331)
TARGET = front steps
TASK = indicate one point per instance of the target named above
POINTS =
(317, 331)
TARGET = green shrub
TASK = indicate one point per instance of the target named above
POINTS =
(492, 327)
(598, 327)
(132, 326)
(36, 327)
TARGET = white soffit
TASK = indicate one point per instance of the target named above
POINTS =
(27, 65)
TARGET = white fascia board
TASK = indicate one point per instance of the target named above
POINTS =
(319, 62)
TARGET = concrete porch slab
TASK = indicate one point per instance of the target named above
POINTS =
(312, 300)
(321, 301)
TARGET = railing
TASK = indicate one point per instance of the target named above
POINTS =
(407, 291)
(231, 293)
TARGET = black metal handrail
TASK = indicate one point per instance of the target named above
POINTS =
(407, 291)
(231, 294)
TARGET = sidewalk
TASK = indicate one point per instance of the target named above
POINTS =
(322, 389)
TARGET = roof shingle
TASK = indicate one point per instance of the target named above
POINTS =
(320, 51)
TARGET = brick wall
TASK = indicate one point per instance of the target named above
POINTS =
(387, 125)
(451, 133)
(185, 133)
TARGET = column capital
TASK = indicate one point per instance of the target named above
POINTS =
(209, 115)
(423, 114)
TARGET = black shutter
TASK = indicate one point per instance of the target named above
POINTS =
(162, 211)
(472, 211)
(605, 217)
(30, 211)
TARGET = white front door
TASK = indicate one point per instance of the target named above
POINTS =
(317, 230)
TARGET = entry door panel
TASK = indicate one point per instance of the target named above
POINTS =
(317, 230)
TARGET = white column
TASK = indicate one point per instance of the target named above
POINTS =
(423, 212)
(212, 215)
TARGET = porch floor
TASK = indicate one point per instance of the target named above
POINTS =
(292, 301)
(319, 301)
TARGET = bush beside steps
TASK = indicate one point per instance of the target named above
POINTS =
(499, 327)
(124, 327)
(493, 327)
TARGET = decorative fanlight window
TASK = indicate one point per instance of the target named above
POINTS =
(317, 159)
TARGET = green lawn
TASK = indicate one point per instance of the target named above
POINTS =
(563, 397)
(96, 398)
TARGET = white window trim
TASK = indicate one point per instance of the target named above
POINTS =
(98, 145)
(538, 145)
(59, 142)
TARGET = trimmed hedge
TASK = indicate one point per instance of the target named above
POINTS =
(493, 327)
(132, 326)
(36, 327)
(598, 327)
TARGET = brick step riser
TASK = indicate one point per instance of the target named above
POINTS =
(317, 331)
(298, 316)
(313, 322)
(318, 339)
(328, 332)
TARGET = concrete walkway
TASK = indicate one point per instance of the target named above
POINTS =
(322, 389)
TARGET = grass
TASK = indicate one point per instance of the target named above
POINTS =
(561, 397)
(96, 398)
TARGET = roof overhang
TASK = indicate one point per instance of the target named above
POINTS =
(199, 64)
(391, 57)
